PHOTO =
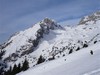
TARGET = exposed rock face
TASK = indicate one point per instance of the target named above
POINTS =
(94, 17)
(47, 24)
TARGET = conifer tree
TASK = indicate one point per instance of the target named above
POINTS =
(85, 45)
(19, 67)
(78, 49)
(71, 50)
(25, 65)
(40, 60)
(10, 71)
(14, 71)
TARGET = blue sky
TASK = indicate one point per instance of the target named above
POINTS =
(16, 15)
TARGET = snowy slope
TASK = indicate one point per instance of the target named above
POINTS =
(78, 63)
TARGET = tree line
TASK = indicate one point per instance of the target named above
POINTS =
(17, 68)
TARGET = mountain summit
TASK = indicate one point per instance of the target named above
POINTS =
(49, 23)
(91, 18)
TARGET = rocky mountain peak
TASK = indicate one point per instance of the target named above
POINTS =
(93, 17)
(47, 20)
(48, 23)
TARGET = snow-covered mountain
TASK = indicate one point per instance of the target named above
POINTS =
(29, 43)
(52, 41)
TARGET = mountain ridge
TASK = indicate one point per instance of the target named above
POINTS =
(93, 18)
